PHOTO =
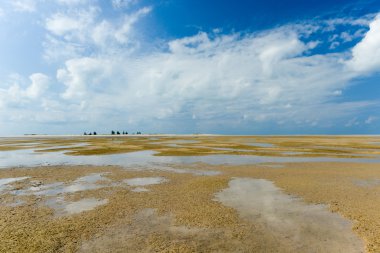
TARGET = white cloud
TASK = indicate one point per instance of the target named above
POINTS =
(362, 21)
(56, 49)
(84, 75)
(39, 85)
(344, 37)
(281, 47)
(74, 32)
(253, 77)
(24, 5)
(72, 2)
(72, 26)
(334, 45)
(15, 94)
(370, 119)
(366, 54)
(60, 24)
(352, 122)
(117, 4)
(106, 33)
(207, 81)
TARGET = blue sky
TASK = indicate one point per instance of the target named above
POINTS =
(230, 67)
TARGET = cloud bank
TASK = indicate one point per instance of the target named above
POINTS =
(208, 82)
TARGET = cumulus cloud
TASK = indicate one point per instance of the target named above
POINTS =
(210, 77)
(85, 75)
(39, 85)
(230, 76)
(16, 93)
(366, 54)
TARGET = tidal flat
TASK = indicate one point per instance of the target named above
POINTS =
(190, 193)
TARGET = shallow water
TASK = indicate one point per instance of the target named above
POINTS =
(54, 192)
(85, 183)
(223, 149)
(140, 189)
(274, 165)
(16, 203)
(180, 141)
(5, 181)
(92, 178)
(84, 205)
(367, 182)
(261, 144)
(62, 207)
(47, 147)
(61, 189)
(147, 158)
(143, 181)
(48, 189)
(305, 228)
(293, 153)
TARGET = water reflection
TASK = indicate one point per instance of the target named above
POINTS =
(305, 228)
(62, 207)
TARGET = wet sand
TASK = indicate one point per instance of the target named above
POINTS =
(193, 207)
(190, 145)
(185, 213)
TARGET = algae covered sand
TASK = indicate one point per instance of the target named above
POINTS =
(173, 205)
(190, 145)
